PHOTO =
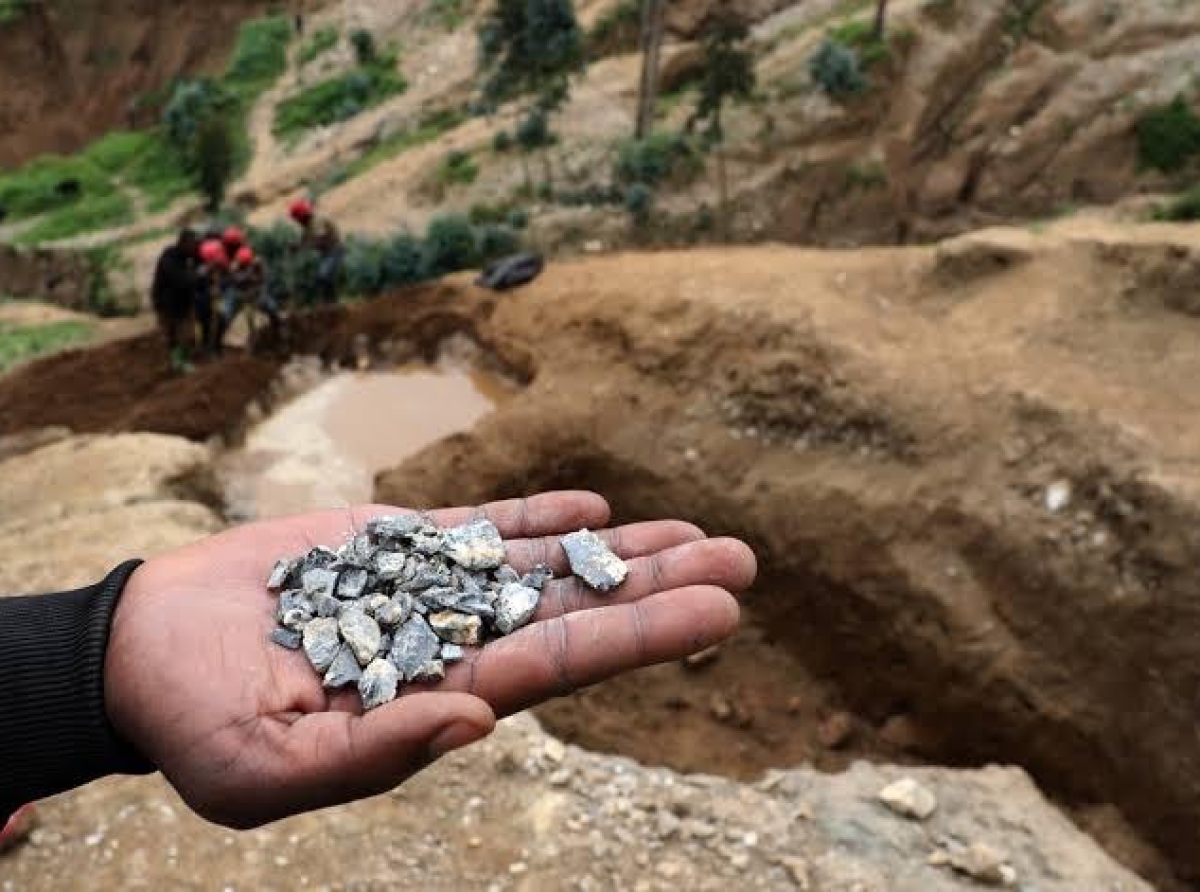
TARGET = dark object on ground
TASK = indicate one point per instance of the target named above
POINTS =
(68, 188)
(511, 271)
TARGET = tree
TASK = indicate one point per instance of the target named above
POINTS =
(727, 75)
(653, 20)
(215, 159)
(880, 19)
(531, 48)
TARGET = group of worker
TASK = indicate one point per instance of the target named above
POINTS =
(206, 281)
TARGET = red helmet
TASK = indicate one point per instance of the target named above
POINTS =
(300, 210)
(233, 238)
(213, 253)
(245, 256)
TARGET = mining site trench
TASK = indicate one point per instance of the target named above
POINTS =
(824, 670)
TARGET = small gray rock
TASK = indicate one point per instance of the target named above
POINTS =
(344, 670)
(352, 584)
(319, 557)
(505, 574)
(515, 607)
(385, 644)
(378, 683)
(389, 565)
(593, 562)
(457, 628)
(357, 551)
(321, 642)
(425, 575)
(477, 607)
(287, 638)
(293, 599)
(361, 633)
(442, 597)
(428, 541)
(396, 527)
(538, 577)
(319, 581)
(327, 605)
(396, 611)
(476, 545)
(452, 653)
(281, 574)
(295, 620)
(375, 601)
(434, 670)
(413, 645)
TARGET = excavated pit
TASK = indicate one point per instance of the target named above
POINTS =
(918, 600)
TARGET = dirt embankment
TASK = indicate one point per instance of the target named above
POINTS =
(969, 473)
(71, 69)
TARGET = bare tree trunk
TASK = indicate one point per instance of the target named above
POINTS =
(880, 18)
(653, 20)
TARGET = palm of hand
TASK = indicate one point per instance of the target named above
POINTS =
(246, 732)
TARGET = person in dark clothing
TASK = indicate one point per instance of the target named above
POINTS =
(171, 295)
(166, 664)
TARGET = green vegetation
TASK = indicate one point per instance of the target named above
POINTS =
(430, 128)
(339, 98)
(11, 10)
(859, 36)
(1168, 137)
(1183, 209)
(618, 30)
(866, 175)
(836, 71)
(319, 44)
(457, 169)
(1019, 18)
(639, 199)
(88, 215)
(24, 342)
(659, 157)
(450, 14)
(365, 50)
(259, 57)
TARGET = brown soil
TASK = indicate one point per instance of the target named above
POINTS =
(71, 69)
(882, 426)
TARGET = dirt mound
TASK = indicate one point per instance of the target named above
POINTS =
(128, 385)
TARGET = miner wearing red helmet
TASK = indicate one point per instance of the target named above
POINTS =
(211, 280)
(319, 235)
(246, 285)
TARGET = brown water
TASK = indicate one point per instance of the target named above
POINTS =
(324, 448)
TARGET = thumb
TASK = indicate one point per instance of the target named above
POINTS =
(346, 757)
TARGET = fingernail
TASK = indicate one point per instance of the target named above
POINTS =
(455, 736)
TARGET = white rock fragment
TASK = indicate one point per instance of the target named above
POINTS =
(321, 642)
(476, 545)
(908, 798)
(515, 606)
(1058, 496)
(378, 684)
(593, 562)
(361, 633)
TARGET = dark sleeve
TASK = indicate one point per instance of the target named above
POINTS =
(54, 730)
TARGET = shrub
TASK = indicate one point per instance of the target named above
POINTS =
(1168, 137)
(502, 141)
(859, 36)
(835, 69)
(518, 218)
(403, 260)
(618, 30)
(638, 200)
(364, 265)
(1184, 209)
(215, 159)
(534, 131)
(259, 56)
(497, 241)
(365, 50)
(319, 44)
(457, 168)
(656, 158)
(338, 98)
(191, 103)
(450, 245)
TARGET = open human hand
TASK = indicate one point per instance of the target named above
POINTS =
(244, 729)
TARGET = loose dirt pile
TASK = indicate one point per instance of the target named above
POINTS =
(969, 474)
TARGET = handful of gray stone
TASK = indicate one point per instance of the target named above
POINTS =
(399, 601)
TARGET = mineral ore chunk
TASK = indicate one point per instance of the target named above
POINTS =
(395, 612)
(593, 562)
(515, 607)
(281, 574)
(413, 645)
(352, 584)
(457, 628)
(537, 577)
(287, 638)
(321, 642)
(434, 670)
(397, 526)
(344, 670)
(452, 653)
(378, 684)
(319, 581)
(476, 545)
(361, 633)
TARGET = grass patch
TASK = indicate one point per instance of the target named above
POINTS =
(430, 128)
(319, 44)
(24, 342)
(338, 98)
(1183, 209)
(450, 14)
(859, 35)
(89, 215)
(11, 10)
(259, 57)
(1168, 137)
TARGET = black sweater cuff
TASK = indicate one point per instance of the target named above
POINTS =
(54, 730)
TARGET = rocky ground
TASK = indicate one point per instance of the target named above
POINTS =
(968, 472)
